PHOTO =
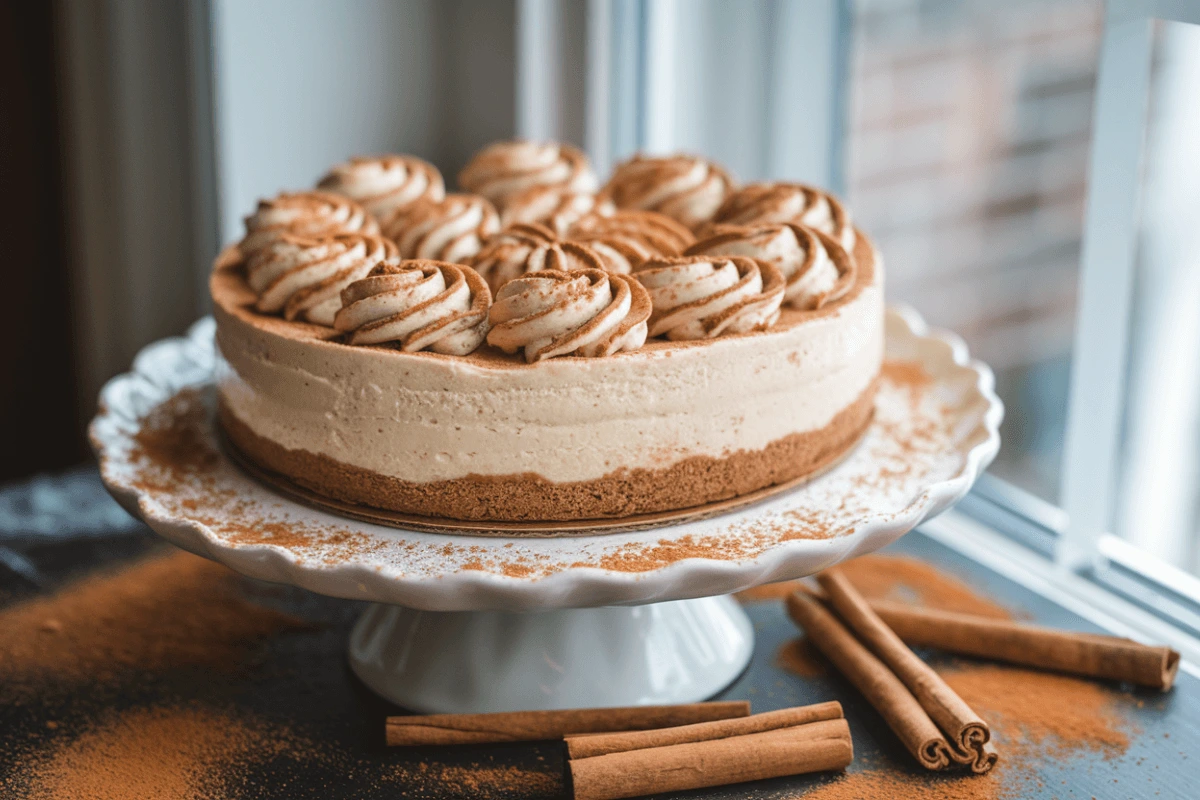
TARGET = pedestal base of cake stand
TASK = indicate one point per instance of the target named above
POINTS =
(681, 651)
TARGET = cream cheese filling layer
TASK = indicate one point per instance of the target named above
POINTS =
(424, 418)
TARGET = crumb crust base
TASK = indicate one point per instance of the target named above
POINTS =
(692, 482)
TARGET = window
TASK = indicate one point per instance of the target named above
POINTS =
(1158, 483)
(966, 159)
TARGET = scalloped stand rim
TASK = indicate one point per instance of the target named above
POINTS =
(663, 651)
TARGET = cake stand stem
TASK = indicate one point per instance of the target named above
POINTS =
(681, 651)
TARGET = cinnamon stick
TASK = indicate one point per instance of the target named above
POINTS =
(882, 689)
(527, 726)
(1087, 654)
(815, 747)
(965, 731)
(598, 744)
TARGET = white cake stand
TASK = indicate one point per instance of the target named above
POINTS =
(467, 623)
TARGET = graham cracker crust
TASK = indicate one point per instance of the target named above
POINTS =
(528, 497)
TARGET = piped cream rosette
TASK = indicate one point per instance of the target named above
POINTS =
(420, 304)
(303, 277)
(452, 229)
(311, 214)
(521, 249)
(554, 207)
(627, 239)
(585, 313)
(504, 169)
(385, 184)
(686, 188)
(761, 203)
(702, 297)
(816, 268)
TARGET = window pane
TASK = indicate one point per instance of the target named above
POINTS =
(967, 145)
(1158, 504)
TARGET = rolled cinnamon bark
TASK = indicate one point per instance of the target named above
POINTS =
(599, 744)
(528, 726)
(1087, 654)
(883, 690)
(815, 747)
(965, 731)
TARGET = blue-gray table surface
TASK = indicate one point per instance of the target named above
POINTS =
(302, 683)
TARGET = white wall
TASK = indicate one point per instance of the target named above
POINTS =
(302, 84)
(751, 83)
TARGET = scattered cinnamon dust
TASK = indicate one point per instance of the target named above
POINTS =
(151, 754)
(156, 614)
(481, 781)
(1035, 717)
(1053, 714)
(892, 784)
(898, 578)
(799, 657)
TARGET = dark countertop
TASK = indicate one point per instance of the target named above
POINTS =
(299, 683)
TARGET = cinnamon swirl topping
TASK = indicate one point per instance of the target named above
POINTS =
(520, 249)
(504, 169)
(760, 203)
(553, 207)
(303, 277)
(308, 214)
(627, 238)
(452, 229)
(816, 268)
(584, 313)
(701, 297)
(383, 184)
(685, 188)
(422, 305)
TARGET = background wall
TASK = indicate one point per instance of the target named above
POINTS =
(303, 84)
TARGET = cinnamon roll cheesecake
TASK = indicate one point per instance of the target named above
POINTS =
(387, 344)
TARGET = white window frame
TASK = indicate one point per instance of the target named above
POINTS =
(1096, 402)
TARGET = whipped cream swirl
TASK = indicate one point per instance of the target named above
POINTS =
(686, 188)
(422, 305)
(553, 207)
(383, 184)
(701, 297)
(309, 214)
(452, 229)
(303, 277)
(521, 249)
(584, 313)
(626, 239)
(504, 169)
(760, 203)
(816, 268)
